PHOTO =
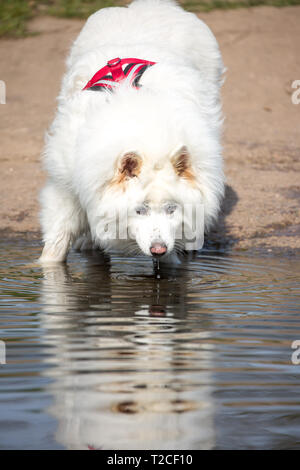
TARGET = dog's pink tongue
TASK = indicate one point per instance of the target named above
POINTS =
(158, 249)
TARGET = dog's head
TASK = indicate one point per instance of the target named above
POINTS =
(153, 206)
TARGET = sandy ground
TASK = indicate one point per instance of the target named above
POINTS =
(260, 48)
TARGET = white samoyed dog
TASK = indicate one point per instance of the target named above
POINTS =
(133, 155)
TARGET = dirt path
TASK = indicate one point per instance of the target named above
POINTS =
(260, 48)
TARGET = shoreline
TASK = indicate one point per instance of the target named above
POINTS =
(211, 246)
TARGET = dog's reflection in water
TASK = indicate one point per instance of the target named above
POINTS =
(127, 370)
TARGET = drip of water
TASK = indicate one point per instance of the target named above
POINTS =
(156, 268)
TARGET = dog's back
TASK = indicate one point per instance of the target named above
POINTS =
(155, 25)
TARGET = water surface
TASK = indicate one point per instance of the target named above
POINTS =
(101, 354)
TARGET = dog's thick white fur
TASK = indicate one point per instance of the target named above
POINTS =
(145, 152)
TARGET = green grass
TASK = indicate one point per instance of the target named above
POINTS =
(14, 14)
(208, 5)
(78, 8)
(13, 17)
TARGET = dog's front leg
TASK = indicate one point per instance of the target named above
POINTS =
(62, 221)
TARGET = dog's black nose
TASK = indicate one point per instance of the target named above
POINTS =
(158, 249)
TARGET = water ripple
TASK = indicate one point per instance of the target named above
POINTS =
(100, 353)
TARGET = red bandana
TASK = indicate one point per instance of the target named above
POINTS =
(117, 71)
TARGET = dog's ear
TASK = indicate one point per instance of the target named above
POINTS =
(130, 165)
(181, 162)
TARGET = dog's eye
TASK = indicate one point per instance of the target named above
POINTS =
(170, 208)
(141, 210)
